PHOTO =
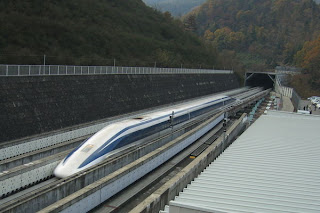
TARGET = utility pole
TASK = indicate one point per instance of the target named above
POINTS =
(224, 133)
(171, 119)
(44, 64)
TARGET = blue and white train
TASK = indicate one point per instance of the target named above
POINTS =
(119, 134)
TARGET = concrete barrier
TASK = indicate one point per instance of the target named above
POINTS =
(96, 193)
(156, 201)
(36, 155)
(59, 190)
(28, 174)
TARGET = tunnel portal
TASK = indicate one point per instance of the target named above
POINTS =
(260, 79)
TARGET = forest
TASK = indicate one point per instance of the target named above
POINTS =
(308, 83)
(95, 32)
(261, 34)
(221, 34)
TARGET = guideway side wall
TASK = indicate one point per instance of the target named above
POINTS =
(37, 104)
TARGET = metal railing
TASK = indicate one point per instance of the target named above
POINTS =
(36, 70)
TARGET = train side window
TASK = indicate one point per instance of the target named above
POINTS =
(87, 148)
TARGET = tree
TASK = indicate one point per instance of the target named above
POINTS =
(309, 59)
(190, 23)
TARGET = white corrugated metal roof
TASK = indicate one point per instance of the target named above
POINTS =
(274, 166)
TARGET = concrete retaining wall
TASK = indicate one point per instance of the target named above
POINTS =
(37, 104)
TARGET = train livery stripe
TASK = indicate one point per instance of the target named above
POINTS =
(142, 123)
(110, 144)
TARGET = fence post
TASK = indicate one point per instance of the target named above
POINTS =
(39, 69)
(74, 70)
(7, 70)
(58, 69)
(29, 69)
(18, 70)
(49, 69)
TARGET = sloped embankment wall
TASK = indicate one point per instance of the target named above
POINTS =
(37, 104)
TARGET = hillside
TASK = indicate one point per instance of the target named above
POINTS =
(175, 7)
(93, 32)
(262, 33)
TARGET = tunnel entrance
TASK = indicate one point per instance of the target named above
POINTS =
(260, 79)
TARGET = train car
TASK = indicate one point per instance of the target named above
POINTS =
(120, 134)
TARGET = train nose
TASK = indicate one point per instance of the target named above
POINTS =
(63, 171)
(59, 172)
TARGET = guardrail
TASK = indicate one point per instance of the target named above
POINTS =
(37, 70)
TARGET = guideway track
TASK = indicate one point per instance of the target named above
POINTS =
(18, 147)
(34, 172)
(107, 186)
(39, 154)
(58, 183)
(130, 196)
(78, 181)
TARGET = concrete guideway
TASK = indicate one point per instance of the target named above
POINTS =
(37, 200)
(94, 194)
(15, 172)
(75, 198)
(14, 168)
(88, 180)
(39, 154)
(156, 201)
(15, 148)
(28, 174)
(124, 200)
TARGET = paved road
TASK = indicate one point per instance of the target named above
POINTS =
(305, 103)
(288, 106)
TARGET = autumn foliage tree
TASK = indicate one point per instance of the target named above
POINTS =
(309, 59)
(225, 38)
(270, 30)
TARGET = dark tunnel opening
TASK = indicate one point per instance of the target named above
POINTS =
(260, 80)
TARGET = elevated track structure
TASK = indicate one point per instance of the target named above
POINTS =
(26, 166)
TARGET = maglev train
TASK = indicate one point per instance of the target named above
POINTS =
(119, 134)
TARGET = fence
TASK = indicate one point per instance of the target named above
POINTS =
(288, 92)
(295, 100)
(36, 70)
